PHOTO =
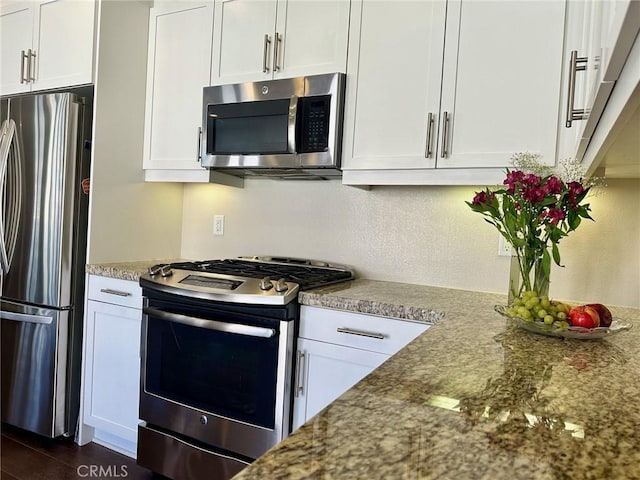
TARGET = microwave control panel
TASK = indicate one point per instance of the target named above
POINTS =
(314, 115)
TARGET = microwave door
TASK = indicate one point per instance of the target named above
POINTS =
(251, 128)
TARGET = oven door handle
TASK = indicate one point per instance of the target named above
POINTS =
(238, 328)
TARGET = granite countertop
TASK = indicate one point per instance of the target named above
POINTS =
(124, 270)
(476, 398)
(387, 299)
(473, 397)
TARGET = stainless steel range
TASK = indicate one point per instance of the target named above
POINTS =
(218, 338)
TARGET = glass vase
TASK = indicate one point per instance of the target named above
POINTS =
(526, 274)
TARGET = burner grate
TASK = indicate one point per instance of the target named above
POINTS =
(305, 276)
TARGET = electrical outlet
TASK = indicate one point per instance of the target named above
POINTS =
(218, 224)
(504, 248)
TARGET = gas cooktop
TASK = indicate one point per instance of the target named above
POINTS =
(244, 279)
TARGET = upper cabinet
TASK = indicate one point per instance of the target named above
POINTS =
(451, 90)
(263, 39)
(46, 44)
(600, 38)
(178, 68)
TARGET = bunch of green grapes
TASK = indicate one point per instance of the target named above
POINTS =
(539, 308)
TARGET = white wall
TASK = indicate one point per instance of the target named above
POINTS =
(423, 235)
(129, 219)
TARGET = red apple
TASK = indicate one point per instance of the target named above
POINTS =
(603, 312)
(584, 316)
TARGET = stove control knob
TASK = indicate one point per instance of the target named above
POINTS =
(265, 284)
(155, 269)
(281, 286)
(165, 271)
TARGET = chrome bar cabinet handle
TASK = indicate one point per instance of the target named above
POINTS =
(429, 147)
(576, 64)
(31, 71)
(276, 48)
(23, 57)
(118, 293)
(445, 134)
(299, 389)
(361, 333)
(267, 43)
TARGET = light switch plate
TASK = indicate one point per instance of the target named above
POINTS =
(218, 224)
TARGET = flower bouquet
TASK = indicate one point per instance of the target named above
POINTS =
(533, 210)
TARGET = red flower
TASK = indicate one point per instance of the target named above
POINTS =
(554, 215)
(482, 198)
(575, 189)
(534, 194)
(531, 180)
(553, 186)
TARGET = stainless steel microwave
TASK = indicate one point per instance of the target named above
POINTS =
(286, 128)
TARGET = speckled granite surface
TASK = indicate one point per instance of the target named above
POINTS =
(387, 299)
(477, 398)
(124, 270)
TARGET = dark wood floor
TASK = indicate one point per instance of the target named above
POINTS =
(25, 456)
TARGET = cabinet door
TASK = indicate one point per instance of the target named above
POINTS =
(311, 37)
(243, 40)
(177, 70)
(63, 42)
(16, 26)
(324, 372)
(112, 369)
(501, 82)
(394, 68)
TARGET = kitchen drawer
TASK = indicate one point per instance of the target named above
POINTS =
(114, 290)
(367, 332)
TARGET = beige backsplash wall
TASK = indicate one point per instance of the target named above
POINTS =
(423, 235)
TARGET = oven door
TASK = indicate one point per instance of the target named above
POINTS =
(218, 376)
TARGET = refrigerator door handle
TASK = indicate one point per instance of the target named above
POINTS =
(5, 142)
(26, 318)
(10, 174)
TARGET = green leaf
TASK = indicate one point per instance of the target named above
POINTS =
(556, 254)
(546, 262)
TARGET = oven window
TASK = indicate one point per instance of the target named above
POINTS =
(221, 373)
(248, 128)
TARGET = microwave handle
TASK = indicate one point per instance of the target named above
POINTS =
(291, 134)
(199, 152)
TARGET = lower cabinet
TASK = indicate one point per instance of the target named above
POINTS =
(111, 367)
(337, 349)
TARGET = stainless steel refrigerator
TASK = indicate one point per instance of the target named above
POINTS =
(44, 159)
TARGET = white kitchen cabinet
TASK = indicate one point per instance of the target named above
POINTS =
(178, 68)
(46, 44)
(483, 82)
(111, 367)
(264, 39)
(337, 349)
(602, 35)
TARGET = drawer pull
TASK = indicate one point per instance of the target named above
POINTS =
(300, 377)
(362, 333)
(115, 292)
